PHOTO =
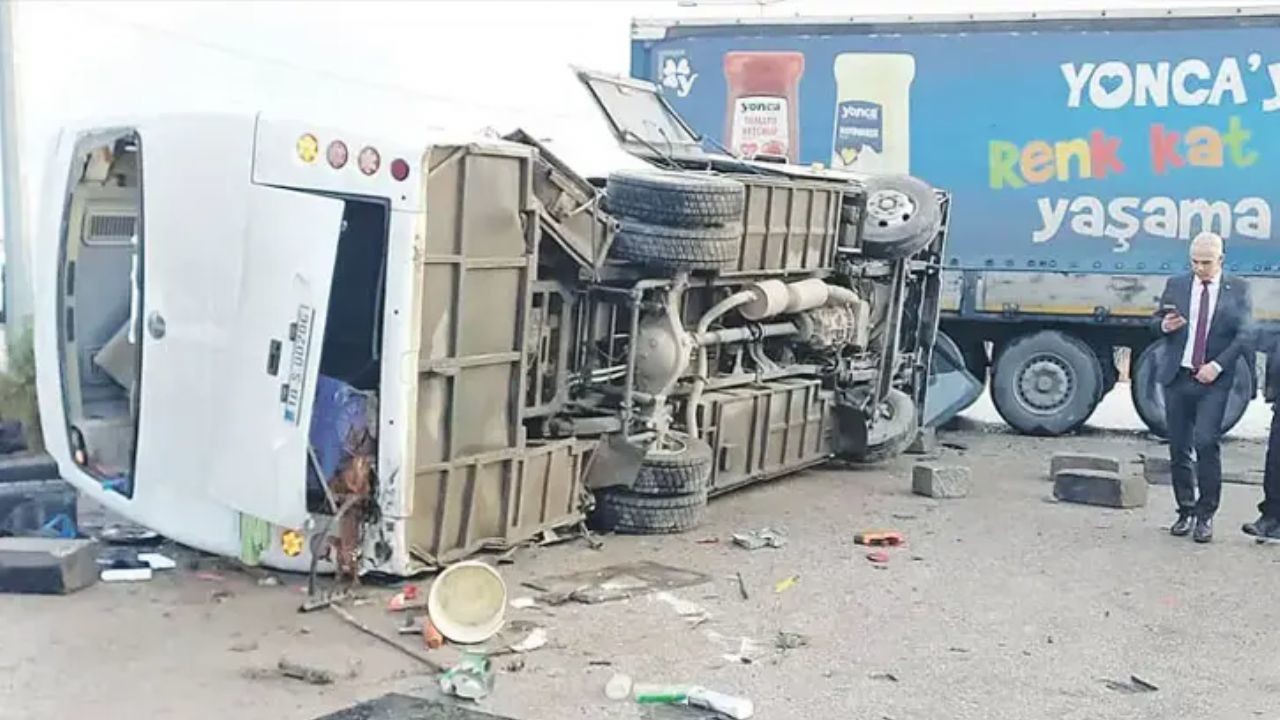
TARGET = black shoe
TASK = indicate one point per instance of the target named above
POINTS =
(1182, 527)
(1204, 530)
(1263, 527)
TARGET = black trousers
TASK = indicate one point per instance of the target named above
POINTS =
(1194, 413)
(1270, 505)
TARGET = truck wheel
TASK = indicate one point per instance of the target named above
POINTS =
(679, 199)
(680, 467)
(630, 513)
(892, 432)
(1046, 383)
(1110, 373)
(1148, 393)
(903, 215)
(674, 249)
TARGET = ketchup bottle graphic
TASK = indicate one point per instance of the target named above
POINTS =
(764, 90)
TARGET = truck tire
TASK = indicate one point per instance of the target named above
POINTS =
(1148, 393)
(1046, 383)
(630, 513)
(902, 216)
(676, 199)
(1110, 373)
(674, 249)
(891, 434)
(680, 468)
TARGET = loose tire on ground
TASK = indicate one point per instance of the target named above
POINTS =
(1046, 383)
(903, 215)
(892, 433)
(677, 199)
(1148, 393)
(630, 513)
(680, 468)
(673, 248)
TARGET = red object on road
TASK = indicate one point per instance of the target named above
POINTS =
(431, 635)
(878, 557)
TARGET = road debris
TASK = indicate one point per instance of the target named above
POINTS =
(616, 582)
(156, 561)
(208, 576)
(350, 620)
(468, 602)
(692, 612)
(878, 557)
(742, 587)
(1134, 686)
(470, 679)
(305, 673)
(124, 570)
(695, 696)
(269, 581)
(748, 649)
(879, 538)
(533, 641)
(514, 666)
(707, 541)
(412, 625)
(791, 641)
(524, 603)
(221, 595)
(244, 646)
(618, 687)
(127, 534)
(407, 599)
(884, 676)
(431, 634)
(786, 584)
(756, 539)
(941, 481)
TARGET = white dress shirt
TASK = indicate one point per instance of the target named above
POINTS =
(1197, 285)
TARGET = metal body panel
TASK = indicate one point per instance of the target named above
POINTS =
(788, 226)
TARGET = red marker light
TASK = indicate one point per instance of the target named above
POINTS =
(399, 169)
(369, 161)
(337, 154)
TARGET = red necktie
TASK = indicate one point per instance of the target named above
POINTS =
(1202, 328)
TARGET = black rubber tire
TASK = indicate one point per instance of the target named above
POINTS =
(1070, 357)
(894, 238)
(1110, 373)
(629, 513)
(675, 472)
(890, 437)
(675, 199)
(1148, 394)
(673, 249)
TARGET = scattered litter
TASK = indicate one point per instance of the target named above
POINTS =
(406, 599)
(156, 561)
(412, 626)
(957, 650)
(791, 641)
(903, 516)
(121, 534)
(523, 603)
(600, 663)
(515, 666)
(1134, 686)
(269, 581)
(695, 696)
(954, 446)
(210, 576)
(917, 558)
(304, 630)
(468, 602)
(470, 679)
(533, 641)
(884, 676)
(322, 600)
(786, 584)
(879, 538)
(742, 587)
(746, 654)
(305, 673)
(244, 646)
(126, 570)
(707, 541)
(690, 611)
(431, 634)
(221, 595)
(756, 539)
(878, 557)
(618, 687)
(360, 602)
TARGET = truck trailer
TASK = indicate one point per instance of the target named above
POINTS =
(1083, 150)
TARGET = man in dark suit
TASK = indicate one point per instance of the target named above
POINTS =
(1207, 317)
(1268, 525)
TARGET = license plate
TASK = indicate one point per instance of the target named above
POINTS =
(300, 342)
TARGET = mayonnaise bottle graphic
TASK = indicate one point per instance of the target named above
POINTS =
(873, 119)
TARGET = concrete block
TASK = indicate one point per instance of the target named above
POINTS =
(1157, 470)
(1082, 461)
(1098, 487)
(47, 566)
(926, 442)
(941, 481)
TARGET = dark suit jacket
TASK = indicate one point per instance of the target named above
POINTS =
(1230, 328)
